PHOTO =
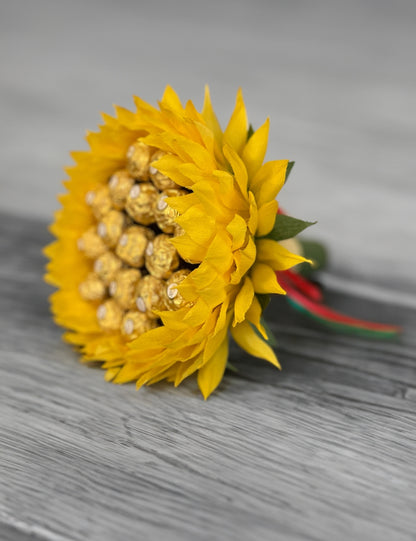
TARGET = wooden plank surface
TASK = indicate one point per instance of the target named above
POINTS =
(325, 449)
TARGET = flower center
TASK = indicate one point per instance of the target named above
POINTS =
(135, 268)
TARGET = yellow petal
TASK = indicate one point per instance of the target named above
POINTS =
(268, 181)
(254, 316)
(243, 260)
(264, 280)
(274, 254)
(255, 149)
(219, 253)
(111, 373)
(237, 164)
(211, 118)
(224, 317)
(209, 198)
(243, 301)
(211, 373)
(187, 149)
(171, 100)
(188, 249)
(238, 231)
(266, 218)
(187, 368)
(254, 214)
(171, 167)
(183, 202)
(198, 226)
(235, 133)
(247, 339)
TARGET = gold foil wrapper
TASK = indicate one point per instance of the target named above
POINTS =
(174, 299)
(100, 201)
(92, 289)
(150, 295)
(136, 323)
(111, 227)
(132, 245)
(119, 186)
(107, 266)
(140, 203)
(178, 231)
(138, 160)
(164, 214)
(91, 244)
(123, 287)
(161, 181)
(109, 315)
(161, 257)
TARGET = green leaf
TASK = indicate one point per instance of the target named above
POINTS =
(264, 300)
(250, 131)
(288, 170)
(286, 227)
(315, 251)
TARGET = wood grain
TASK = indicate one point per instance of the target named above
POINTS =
(323, 450)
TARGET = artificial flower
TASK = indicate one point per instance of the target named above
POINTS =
(164, 243)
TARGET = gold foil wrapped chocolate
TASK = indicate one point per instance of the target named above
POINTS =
(91, 244)
(111, 227)
(92, 289)
(161, 257)
(160, 180)
(140, 203)
(100, 201)
(174, 299)
(138, 160)
(132, 245)
(123, 247)
(109, 315)
(150, 295)
(123, 287)
(107, 266)
(164, 214)
(119, 186)
(135, 323)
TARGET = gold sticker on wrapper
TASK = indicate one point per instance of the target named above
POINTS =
(140, 203)
(135, 323)
(164, 214)
(161, 181)
(132, 245)
(150, 295)
(107, 266)
(174, 299)
(111, 227)
(100, 201)
(92, 289)
(109, 315)
(123, 287)
(119, 186)
(138, 160)
(161, 257)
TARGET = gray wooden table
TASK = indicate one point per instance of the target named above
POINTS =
(325, 449)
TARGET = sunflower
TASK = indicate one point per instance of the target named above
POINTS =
(163, 244)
